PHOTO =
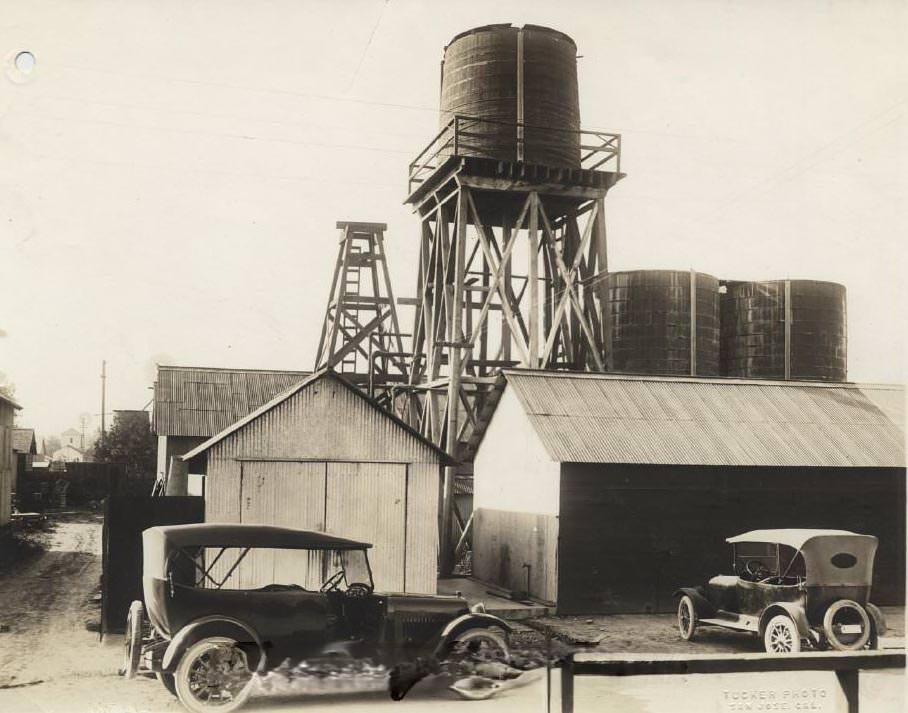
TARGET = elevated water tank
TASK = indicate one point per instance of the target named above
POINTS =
(480, 78)
(648, 322)
(754, 316)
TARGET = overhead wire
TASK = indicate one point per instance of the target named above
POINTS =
(365, 51)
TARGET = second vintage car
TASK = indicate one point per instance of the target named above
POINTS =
(792, 588)
(213, 616)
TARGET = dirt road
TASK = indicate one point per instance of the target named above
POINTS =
(51, 663)
(49, 659)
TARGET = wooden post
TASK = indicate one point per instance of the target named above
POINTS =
(521, 133)
(533, 277)
(567, 684)
(178, 477)
(455, 355)
(600, 250)
(788, 315)
(848, 680)
(693, 323)
(506, 228)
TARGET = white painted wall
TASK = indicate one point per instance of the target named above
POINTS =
(162, 457)
(512, 471)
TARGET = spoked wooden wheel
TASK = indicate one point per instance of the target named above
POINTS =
(132, 653)
(687, 618)
(781, 636)
(213, 675)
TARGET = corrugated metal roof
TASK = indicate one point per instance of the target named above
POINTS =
(296, 388)
(202, 401)
(610, 418)
(9, 399)
(24, 440)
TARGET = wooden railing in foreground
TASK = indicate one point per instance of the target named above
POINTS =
(846, 666)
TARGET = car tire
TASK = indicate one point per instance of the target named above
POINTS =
(204, 698)
(687, 618)
(482, 643)
(843, 606)
(132, 654)
(167, 680)
(781, 636)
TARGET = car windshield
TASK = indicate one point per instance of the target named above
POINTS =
(758, 561)
(255, 568)
(356, 567)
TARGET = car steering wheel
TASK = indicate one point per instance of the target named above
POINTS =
(332, 581)
(358, 590)
(757, 570)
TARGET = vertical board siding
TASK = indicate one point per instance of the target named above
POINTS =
(7, 461)
(507, 541)
(366, 501)
(631, 535)
(326, 422)
(286, 494)
(422, 528)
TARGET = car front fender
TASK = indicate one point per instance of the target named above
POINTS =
(211, 626)
(468, 621)
(794, 611)
(702, 605)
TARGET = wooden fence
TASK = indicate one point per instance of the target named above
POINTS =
(846, 666)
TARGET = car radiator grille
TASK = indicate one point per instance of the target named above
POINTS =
(417, 628)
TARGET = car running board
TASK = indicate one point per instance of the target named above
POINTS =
(741, 622)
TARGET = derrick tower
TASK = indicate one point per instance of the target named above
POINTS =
(511, 200)
(361, 335)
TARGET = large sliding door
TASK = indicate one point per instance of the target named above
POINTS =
(362, 501)
(368, 501)
(288, 494)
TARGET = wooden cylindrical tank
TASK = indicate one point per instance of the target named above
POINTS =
(649, 319)
(481, 77)
(757, 316)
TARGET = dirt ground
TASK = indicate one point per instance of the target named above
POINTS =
(658, 633)
(51, 659)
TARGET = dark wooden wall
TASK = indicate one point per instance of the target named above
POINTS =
(125, 517)
(632, 534)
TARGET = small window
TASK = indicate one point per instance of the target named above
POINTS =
(844, 560)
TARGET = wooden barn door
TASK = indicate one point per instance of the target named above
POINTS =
(289, 494)
(368, 501)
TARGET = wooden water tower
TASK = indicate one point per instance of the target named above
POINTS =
(510, 195)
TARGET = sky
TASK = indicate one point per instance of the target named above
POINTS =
(171, 171)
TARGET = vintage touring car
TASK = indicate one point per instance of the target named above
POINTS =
(214, 616)
(792, 587)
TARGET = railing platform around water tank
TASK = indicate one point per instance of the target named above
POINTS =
(462, 142)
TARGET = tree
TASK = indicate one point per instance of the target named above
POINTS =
(131, 442)
(52, 444)
(7, 387)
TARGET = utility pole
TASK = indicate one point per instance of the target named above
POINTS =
(103, 395)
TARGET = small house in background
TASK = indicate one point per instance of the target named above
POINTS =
(324, 456)
(72, 437)
(604, 493)
(8, 408)
(68, 454)
(25, 448)
(192, 404)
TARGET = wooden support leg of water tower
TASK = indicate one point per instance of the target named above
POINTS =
(455, 342)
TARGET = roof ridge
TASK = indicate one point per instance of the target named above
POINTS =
(229, 368)
(718, 380)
